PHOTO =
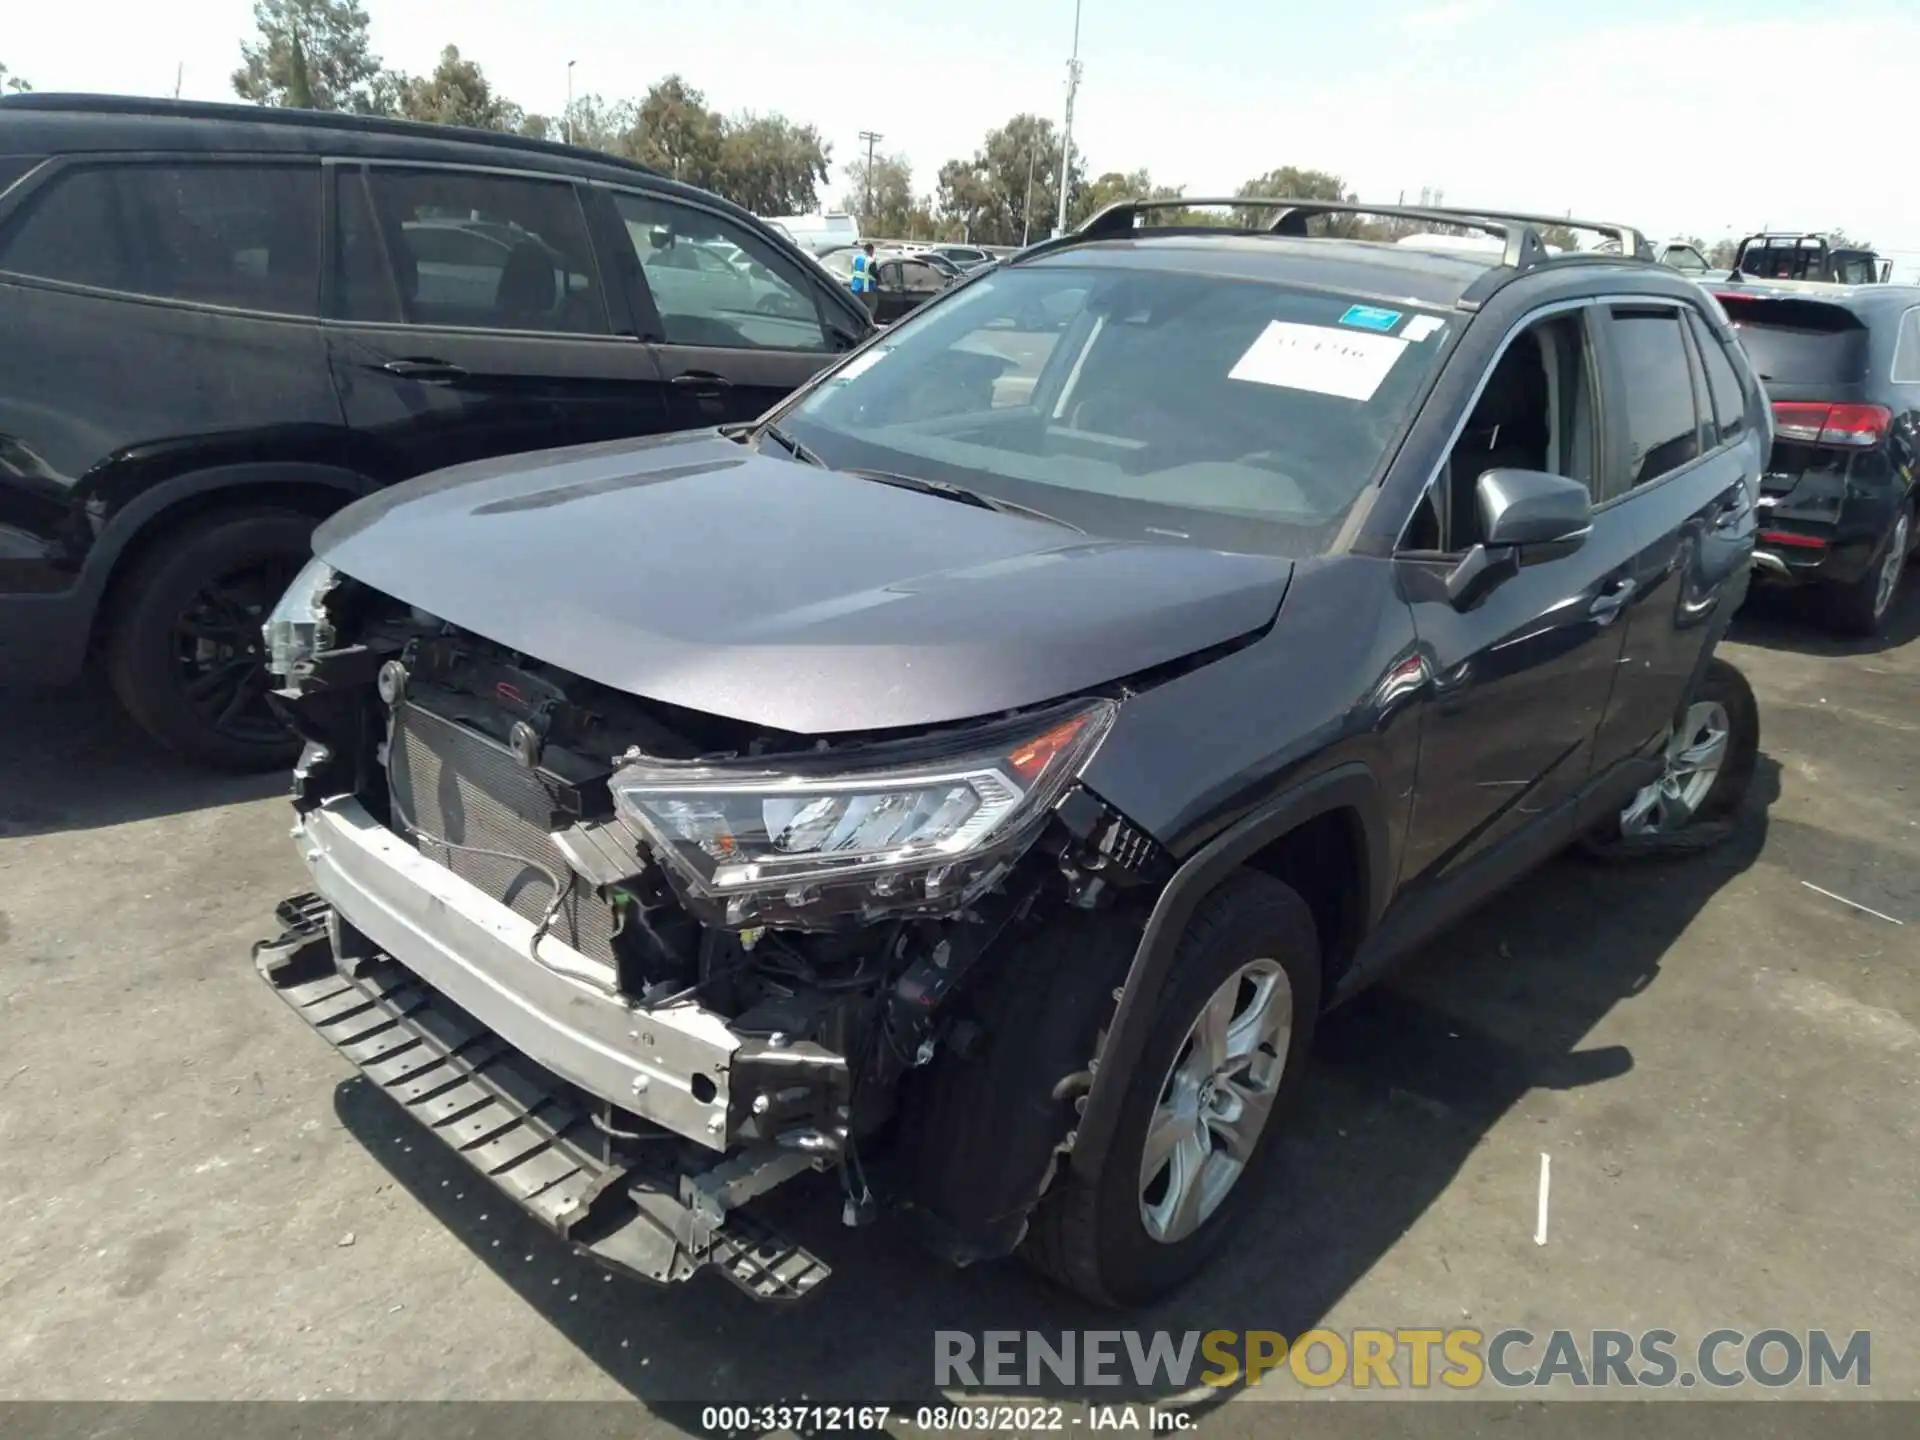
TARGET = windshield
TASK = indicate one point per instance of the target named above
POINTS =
(1236, 414)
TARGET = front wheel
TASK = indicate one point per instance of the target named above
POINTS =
(1234, 1028)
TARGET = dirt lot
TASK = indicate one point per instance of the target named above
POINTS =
(199, 1201)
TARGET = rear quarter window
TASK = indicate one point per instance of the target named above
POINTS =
(237, 235)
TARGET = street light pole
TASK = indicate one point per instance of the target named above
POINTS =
(1026, 210)
(872, 138)
(1066, 130)
(567, 122)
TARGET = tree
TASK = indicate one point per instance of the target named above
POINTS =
(1131, 185)
(11, 83)
(1559, 237)
(1291, 183)
(458, 93)
(987, 197)
(675, 132)
(311, 51)
(770, 165)
(883, 197)
(597, 124)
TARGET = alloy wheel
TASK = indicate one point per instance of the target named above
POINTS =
(1892, 566)
(1695, 753)
(220, 656)
(1214, 1101)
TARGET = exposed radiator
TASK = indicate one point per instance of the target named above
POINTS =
(455, 784)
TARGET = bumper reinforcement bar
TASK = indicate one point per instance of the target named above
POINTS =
(524, 1130)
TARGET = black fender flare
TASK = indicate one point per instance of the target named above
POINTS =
(1347, 786)
(152, 506)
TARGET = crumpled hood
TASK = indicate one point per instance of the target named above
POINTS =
(694, 571)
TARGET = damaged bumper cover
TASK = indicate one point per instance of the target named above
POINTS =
(501, 1042)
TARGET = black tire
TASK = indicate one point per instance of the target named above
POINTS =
(1861, 609)
(1088, 1234)
(185, 622)
(1713, 821)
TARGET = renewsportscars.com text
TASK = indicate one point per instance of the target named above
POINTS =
(1460, 1359)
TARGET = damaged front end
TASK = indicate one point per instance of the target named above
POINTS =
(638, 965)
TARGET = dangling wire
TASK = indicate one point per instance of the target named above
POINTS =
(560, 891)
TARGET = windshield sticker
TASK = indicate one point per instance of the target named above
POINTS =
(1319, 358)
(861, 363)
(1371, 317)
(1421, 326)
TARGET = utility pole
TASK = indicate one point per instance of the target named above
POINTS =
(873, 138)
(1026, 209)
(179, 72)
(567, 121)
(1066, 130)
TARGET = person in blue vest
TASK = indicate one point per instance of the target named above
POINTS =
(862, 278)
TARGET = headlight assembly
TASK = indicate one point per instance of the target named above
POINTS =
(910, 830)
(297, 630)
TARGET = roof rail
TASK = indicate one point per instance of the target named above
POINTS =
(1522, 247)
(47, 100)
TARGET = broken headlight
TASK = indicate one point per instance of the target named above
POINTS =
(906, 828)
(297, 630)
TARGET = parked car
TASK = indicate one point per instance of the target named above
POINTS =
(903, 283)
(1686, 258)
(818, 233)
(1841, 366)
(992, 828)
(1793, 256)
(201, 373)
(967, 257)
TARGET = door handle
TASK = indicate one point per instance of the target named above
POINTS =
(701, 382)
(1728, 511)
(1611, 601)
(427, 371)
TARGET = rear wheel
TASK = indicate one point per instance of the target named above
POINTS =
(184, 650)
(1862, 607)
(1707, 768)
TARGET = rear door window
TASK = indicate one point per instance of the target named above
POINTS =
(239, 235)
(471, 249)
(1723, 384)
(1662, 429)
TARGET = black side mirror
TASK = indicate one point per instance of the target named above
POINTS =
(1530, 507)
(1528, 516)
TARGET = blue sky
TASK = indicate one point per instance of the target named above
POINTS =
(1677, 117)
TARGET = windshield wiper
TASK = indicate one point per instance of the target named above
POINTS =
(947, 490)
(792, 446)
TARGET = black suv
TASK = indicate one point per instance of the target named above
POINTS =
(222, 323)
(1841, 365)
(975, 779)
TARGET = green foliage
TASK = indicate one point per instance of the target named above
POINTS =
(311, 54)
(457, 93)
(886, 206)
(987, 197)
(12, 84)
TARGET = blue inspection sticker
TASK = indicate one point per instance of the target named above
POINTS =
(1371, 317)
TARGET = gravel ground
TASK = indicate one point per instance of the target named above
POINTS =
(201, 1202)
